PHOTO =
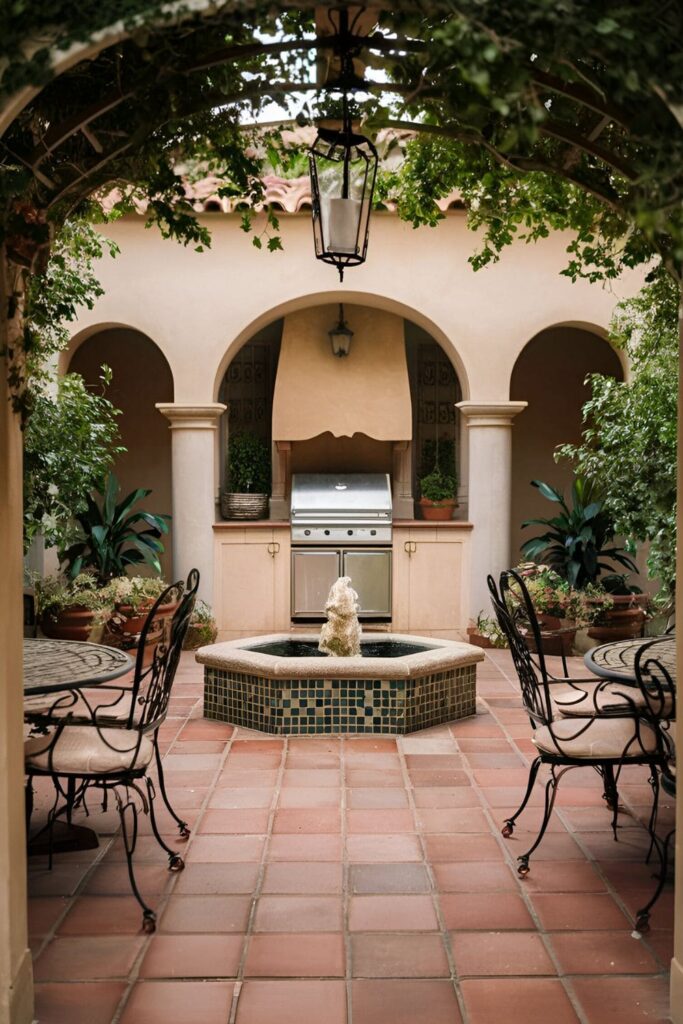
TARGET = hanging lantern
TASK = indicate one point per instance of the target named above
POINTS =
(343, 167)
(340, 335)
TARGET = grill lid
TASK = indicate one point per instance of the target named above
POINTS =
(343, 496)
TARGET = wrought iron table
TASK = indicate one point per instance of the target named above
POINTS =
(54, 666)
(616, 660)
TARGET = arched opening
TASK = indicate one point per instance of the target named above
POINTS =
(141, 377)
(278, 372)
(550, 375)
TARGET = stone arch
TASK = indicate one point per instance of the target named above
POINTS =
(141, 378)
(549, 374)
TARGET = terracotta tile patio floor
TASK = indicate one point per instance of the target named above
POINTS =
(360, 880)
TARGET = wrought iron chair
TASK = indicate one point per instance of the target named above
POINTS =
(110, 746)
(620, 728)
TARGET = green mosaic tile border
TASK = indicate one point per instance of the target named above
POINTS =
(298, 707)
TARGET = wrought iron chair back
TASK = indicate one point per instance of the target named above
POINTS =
(512, 606)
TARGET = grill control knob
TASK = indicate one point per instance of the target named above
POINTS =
(350, 533)
(307, 533)
(327, 533)
(373, 533)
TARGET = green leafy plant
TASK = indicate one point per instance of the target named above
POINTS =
(136, 592)
(437, 452)
(70, 443)
(489, 628)
(552, 595)
(55, 593)
(202, 629)
(438, 486)
(248, 469)
(110, 539)
(577, 539)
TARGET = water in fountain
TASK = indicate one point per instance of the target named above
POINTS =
(340, 636)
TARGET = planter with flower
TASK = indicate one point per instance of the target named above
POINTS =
(132, 598)
(486, 633)
(561, 610)
(72, 609)
(626, 614)
(438, 492)
(202, 629)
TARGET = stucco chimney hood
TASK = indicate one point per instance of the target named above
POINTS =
(366, 393)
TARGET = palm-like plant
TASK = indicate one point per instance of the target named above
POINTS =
(577, 539)
(111, 538)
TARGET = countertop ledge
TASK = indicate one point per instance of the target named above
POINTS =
(279, 524)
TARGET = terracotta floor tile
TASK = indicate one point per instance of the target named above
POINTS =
(62, 880)
(494, 760)
(478, 911)
(304, 847)
(626, 1000)
(365, 849)
(312, 761)
(495, 953)
(296, 955)
(177, 1002)
(44, 912)
(462, 847)
(256, 747)
(446, 796)
(380, 820)
(317, 820)
(250, 797)
(103, 915)
(305, 877)
(519, 1001)
(391, 913)
(87, 959)
(298, 913)
(484, 726)
(388, 955)
(187, 798)
(225, 879)
(206, 914)
(199, 746)
(367, 797)
(191, 762)
(366, 777)
(474, 876)
(304, 796)
(602, 953)
(292, 1002)
(224, 849)
(84, 1003)
(192, 956)
(319, 778)
(579, 912)
(239, 778)
(433, 762)
(234, 821)
(563, 876)
(370, 744)
(452, 819)
(435, 778)
(405, 1002)
(480, 745)
(386, 878)
(312, 746)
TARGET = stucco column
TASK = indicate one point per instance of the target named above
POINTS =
(489, 434)
(194, 477)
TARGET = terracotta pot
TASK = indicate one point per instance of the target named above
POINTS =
(438, 510)
(478, 639)
(127, 631)
(75, 623)
(563, 643)
(624, 620)
(197, 637)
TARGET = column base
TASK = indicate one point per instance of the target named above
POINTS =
(18, 1007)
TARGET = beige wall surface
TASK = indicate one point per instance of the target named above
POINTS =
(200, 307)
(141, 377)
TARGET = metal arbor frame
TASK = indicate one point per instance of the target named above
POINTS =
(643, 715)
(125, 744)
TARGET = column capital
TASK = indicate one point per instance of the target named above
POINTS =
(192, 417)
(490, 414)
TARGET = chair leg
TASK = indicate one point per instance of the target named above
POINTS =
(130, 836)
(28, 803)
(550, 794)
(642, 922)
(175, 861)
(509, 826)
(611, 795)
(652, 824)
(182, 825)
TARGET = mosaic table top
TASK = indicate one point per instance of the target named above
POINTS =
(617, 660)
(52, 665)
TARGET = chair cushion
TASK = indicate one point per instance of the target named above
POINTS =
(608, 737)
(85, 750)
(610, 698)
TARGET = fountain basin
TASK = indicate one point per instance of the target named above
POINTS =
(280, 685)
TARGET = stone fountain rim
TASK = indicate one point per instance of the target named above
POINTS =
(232, 655)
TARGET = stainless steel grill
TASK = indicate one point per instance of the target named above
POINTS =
(341, 526)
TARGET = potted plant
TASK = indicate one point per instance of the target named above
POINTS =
(72, 609)
(202, 629)
(131, 598)
(248, 474)
(438, 495)
(486, 633)
(560, 609)
(626, 614)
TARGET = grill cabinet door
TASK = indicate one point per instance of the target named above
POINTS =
(313, 573)
(370, 573)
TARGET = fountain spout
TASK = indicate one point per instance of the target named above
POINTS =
(340, 636)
